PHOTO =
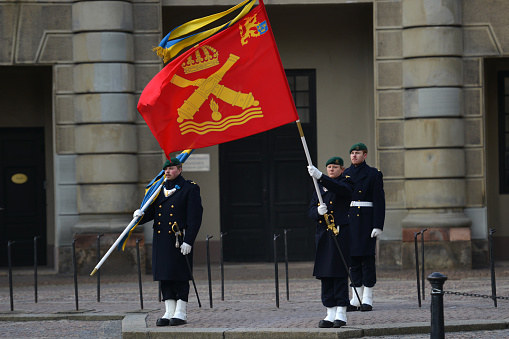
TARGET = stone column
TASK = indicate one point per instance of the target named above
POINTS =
(434, 154)
(105, 108)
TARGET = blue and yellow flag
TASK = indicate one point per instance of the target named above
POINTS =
(153, 187)
(187, 34)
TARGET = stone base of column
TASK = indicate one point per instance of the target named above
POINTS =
(447, 241)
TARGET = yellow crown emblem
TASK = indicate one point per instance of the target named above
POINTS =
(208, 57)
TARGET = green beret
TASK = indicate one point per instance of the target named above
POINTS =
(358, 147)
(335, 161)
(171, 162)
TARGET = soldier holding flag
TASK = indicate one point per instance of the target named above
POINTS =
(336, 191)
(176, 209)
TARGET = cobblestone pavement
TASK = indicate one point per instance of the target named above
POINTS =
(249, 302)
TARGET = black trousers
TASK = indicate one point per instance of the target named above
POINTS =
(363, 271)
(334, 292)
(175, 289)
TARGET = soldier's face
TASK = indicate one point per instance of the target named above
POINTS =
(357, 157)
(171, 172)
(334, 171)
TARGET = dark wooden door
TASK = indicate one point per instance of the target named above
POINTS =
(265, 187)
(22, 195)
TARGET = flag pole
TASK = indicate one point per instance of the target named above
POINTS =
(127, 229)
(308, 157)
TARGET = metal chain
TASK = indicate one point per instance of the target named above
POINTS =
(475, 295)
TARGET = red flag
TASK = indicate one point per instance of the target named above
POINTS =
(230, 86)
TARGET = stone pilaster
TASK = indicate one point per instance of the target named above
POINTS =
(434, 133)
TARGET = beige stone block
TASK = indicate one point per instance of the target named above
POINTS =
(106, 138)
(143, 17)
(474, 132)
(388, 44)
(106, 168)
(390, 133)
(421, 133)
(103, 77)
(146, 140)
(102, 16)
(107, 198)
(394, 194)
(143, 44)
(431, 12)
(149, 165)
(389, 74)
(472, 101)
(429, 72)
(390, 104)
(65, 139)
(63, 79)
(479, 41)
(387, 14)
(145, 73)
(472, 72)
(391, 163)
(106, 107)
(432, 41)
(435, 193)
(56, 48)
(433, 102)
(435, 163)
(474, 162)
(64, 109)
(435, 219)
(103, 47)
(476, 193)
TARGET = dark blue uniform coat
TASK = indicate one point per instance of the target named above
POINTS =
(328, 263)
(368, 187)
(184, 207)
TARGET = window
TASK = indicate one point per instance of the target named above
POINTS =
(503, 131)
(303, 87)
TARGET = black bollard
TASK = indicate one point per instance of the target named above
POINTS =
(437, 281)
(422, 260)
(276, 273)
(208, 270)
(492, 265)
(99, 270)
(286, 266)
(9, 260)
(75, 272)
(222, 266)
(139, 270)
(35, 268)
(417, 267)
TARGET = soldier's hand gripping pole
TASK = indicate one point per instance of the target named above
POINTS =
(329, 220)
(176, 229)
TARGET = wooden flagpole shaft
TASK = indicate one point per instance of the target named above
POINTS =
(306, 150)
(126, 230)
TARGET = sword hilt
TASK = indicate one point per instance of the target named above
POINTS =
(329, 220)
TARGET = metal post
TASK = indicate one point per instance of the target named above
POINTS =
(417, 267)
(159, 291)
(276, 273)
(222, 266)
(99, 270)
(35, 268)
(139, 270)
(75, 272)
(286, 266)
(437, 305)
(422, 260)
(208, 270)
(492, 265)
(9, 260)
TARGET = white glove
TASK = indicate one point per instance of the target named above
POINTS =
(322, 209)
(314, 172)
(185, 248)
(138, 213)
(376, 232)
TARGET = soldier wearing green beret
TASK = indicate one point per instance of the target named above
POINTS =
(336, 191)
(366, 218)
(179, 203)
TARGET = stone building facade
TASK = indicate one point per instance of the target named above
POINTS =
(419, 81)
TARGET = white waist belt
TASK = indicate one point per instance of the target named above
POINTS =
(361, 204)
